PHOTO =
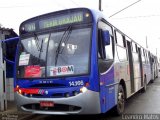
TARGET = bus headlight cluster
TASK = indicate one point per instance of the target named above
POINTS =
(20, 91)
(83, 89)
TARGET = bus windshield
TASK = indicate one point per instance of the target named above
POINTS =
(62, 53)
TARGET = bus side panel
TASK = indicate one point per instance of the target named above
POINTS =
(107, 91)
(147, 70)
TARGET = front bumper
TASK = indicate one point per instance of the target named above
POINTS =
(87, 103)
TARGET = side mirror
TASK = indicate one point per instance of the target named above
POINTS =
(106, 37)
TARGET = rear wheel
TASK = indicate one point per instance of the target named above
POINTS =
(120, 101)
(152, 81)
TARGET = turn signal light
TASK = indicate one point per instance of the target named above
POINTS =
(20, 91)
(17, 86)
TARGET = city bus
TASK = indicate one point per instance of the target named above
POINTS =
(75, 62)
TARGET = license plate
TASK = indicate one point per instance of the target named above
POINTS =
(46, 104)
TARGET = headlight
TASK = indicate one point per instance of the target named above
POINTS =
(83, 89)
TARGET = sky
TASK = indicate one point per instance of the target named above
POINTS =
(140, 21)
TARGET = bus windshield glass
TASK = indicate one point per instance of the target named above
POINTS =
(60, 53)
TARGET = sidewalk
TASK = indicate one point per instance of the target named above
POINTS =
(12, 114)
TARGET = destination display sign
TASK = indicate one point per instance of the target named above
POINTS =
(54, 20)
(30, 27)
(61, 20)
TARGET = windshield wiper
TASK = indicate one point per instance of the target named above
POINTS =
(41, 49)
(37, 41)
(64, 39)
(39, 46)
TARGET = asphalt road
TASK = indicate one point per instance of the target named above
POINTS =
(140, 103)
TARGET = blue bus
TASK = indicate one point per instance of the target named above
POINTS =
(75, 62)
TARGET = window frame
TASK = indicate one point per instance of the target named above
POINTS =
(111, 32)
(124, 46)
(76, 26)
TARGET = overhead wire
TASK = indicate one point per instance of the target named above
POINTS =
(138, 17)
(124, 8)
(74, 3)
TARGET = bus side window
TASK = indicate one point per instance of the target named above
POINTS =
(134, 47)
(100, 45)
(120, 39)
(142, 54)
(109, 50)
(121, 46)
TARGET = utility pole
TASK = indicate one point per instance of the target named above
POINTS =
(146, 43)
(156, 51)
(100, 5)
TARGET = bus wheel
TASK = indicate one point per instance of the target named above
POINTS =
(145, 85)
(120, 100)
(152, 81)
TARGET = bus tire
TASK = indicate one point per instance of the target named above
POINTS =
(152, 81)
(145, 85)
(119, 109)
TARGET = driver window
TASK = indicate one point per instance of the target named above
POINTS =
(105, 53)
(107, 49)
